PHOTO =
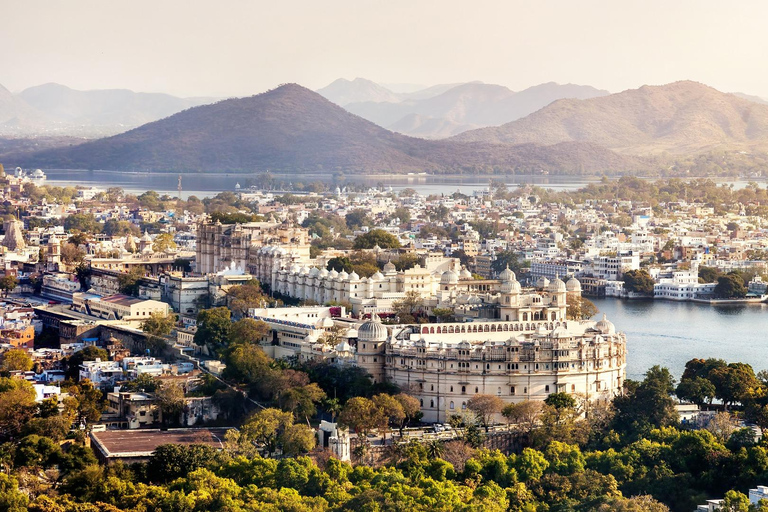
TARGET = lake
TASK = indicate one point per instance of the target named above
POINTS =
(672, 333)
(210, 184)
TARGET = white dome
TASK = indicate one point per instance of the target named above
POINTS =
(372, 330)
(465, 274)
(507, 275)
(557, 286)
(353, 276)
(313, 272)
(343, 275)
(449, 277)
(333, 274)
(389, 267)
(511, 287)
(542, 282)
(323, 273)
(573, 285)
(605, 326)
(378, 276)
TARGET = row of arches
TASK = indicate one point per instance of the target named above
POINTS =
(473, 328)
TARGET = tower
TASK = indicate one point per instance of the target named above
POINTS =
(179, 203)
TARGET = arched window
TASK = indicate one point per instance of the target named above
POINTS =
(451, 405)
(425, 330)
(463, 389)
(476, 390)
(432, 403)
(451, 389)
(463, 405)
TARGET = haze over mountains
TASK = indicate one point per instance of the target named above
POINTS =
(445, 110)
(680, 118)
(292, 129)
(52, 109)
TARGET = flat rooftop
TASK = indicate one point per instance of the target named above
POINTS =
(141, 443)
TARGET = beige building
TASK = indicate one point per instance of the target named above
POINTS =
(118, 307)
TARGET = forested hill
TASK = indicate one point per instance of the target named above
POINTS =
(293, 129)
(681, 118)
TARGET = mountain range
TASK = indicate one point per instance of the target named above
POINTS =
(54, 109)
(292, 129)
(445, 110)
(680, 118)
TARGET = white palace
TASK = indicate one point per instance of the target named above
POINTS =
(528, 352)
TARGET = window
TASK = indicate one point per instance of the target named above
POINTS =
(546, 389)
(451, 389)
(512, 390)
(463, 389)
(476, 390)
(451, 405)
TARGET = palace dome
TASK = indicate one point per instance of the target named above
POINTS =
(389, 267)
(573, 285)
(465, 274)
(378, 276)
(605, 326)
(449, 277)
(507, 275)
(372, 330)
(557, 286)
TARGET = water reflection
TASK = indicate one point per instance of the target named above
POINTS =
(671, 333)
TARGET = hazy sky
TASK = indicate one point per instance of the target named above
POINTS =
(242, 47)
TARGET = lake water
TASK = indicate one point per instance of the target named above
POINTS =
(210, 184)
(672, 333)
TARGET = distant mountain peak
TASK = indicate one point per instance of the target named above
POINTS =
(684, 117)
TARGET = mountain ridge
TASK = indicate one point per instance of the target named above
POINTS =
(291, 128)
(682, 118)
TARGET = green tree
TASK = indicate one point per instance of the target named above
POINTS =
(248, 330)
(357, 218)
(171, 461)
(170, 398)
(82, 222)
(376, 237)
(361, 415)
(580, 308)
(638, 281)
(16, 360)
(89, 353)
(129, 281)
(158, 326)
(486, 407)
(646, 405)
(11, 498)
(213, 328)
(164, 243)
(730, 286)
(297, 440)
(84, 403)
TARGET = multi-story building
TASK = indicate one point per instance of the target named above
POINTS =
(220, 245)
(527, 351)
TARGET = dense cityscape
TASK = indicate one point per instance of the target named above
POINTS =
(402, 256)
(355, 348)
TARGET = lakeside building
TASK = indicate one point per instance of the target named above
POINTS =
(527, 352)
